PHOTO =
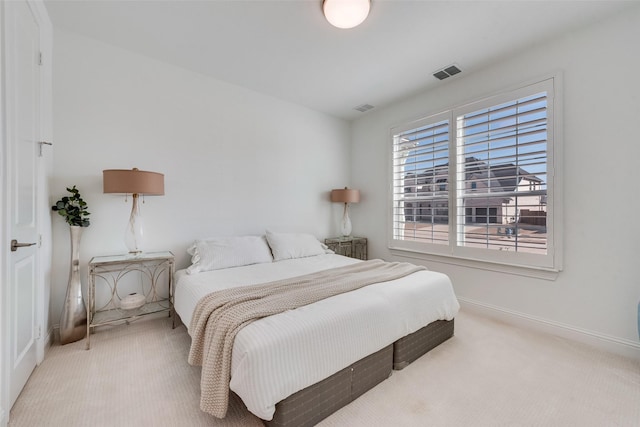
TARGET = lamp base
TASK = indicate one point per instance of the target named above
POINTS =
(345, 225)
(134, 232)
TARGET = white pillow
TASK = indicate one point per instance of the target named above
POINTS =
(294, 245)
(226, 252)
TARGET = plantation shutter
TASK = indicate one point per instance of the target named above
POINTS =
(502, 176)
(420, 184)
(478, 182)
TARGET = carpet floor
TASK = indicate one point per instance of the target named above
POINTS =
(488, 374)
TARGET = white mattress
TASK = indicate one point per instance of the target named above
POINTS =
(279, 355)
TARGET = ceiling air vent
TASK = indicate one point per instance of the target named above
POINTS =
(364, 107)
(449, 71)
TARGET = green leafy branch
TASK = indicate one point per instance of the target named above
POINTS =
(73, 209)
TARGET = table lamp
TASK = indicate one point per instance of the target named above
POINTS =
(134, 182)
(345, 196)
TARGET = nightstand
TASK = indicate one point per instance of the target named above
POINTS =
(154, 280)
(354, 247)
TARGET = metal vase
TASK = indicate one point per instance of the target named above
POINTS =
(73, 322)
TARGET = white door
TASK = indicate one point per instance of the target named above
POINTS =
(22, 115)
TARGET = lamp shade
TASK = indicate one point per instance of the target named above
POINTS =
(346, 13)
(346, 195)
(133, 181)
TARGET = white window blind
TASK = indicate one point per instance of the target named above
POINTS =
(475, 182)
(502, 183)
(420, 183)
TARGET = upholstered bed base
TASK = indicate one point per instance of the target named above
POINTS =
(409, 348)
(316, 402)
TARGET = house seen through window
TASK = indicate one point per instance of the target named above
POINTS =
(473, 182)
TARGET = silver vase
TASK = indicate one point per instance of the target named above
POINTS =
(73, 322)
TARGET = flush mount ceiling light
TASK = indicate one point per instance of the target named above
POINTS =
(346, 13)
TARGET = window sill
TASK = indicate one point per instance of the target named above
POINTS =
(527, 271)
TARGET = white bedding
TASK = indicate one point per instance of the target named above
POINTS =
(279, 355)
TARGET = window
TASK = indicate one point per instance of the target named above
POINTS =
(476, 181)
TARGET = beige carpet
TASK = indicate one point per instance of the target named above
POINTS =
(489, 374)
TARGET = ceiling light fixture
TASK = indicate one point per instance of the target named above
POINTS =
(346, 13)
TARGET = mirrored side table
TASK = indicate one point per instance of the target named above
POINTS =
(149, 274)
(353, 247)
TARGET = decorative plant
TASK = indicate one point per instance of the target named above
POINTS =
(73, 208)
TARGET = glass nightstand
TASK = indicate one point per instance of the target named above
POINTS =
(153, 269)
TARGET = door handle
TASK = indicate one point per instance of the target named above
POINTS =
(15, 245)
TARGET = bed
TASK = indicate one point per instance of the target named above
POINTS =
(299, 366)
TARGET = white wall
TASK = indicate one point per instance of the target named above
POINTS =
(235, 162)
(599, 289)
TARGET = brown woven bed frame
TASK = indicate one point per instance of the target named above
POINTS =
(316, 402)
(311, 405)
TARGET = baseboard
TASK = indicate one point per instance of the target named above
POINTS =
(54, 334)
(48, 340)
(608, 343)
(43, 346)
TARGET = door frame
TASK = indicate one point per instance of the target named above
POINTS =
(45, 167)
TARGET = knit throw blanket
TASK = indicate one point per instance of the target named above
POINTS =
(219, 316)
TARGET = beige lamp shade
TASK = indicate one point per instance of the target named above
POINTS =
(346, 195)
(133, 181)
